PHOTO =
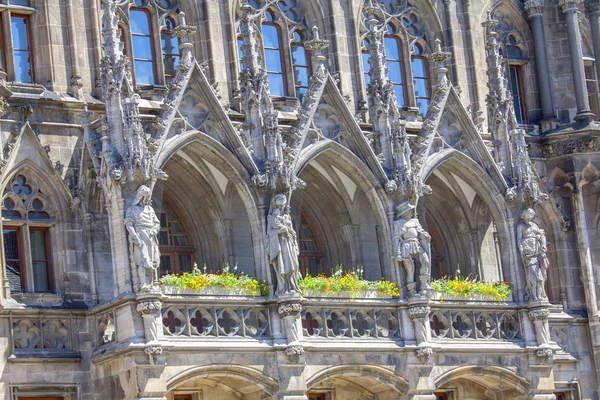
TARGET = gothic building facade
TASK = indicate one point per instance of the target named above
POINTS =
(408, 139)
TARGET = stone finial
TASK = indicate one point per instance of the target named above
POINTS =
(569, 5)
(534, 7)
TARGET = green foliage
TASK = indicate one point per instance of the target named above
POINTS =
(198, 279)
(350, 282)
(466, 286)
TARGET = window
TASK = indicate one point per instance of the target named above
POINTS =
(515, 61)
(393, 61)
(516, 87)
(182, 397)
(365, 63)
(26, 223)
(300, 61)
(285, 59)
(176, 253)
(141, 42)
(441, 396)
(592, 88)
(316, 396)
(271, 36)
(311, 258)
(170, 48)
(16, 55)
(420, 74)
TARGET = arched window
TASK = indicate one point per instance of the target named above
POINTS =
(393, 60)
(300, 64)
(420, 74)
(170, 48)
(311, 258)
(176, 250)
(27, 219)
(271, 36)
(141, 43)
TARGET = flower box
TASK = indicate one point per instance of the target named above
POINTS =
(474, 297)
(362, 294)
(205, 291)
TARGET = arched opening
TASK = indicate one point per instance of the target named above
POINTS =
(223, 382)
(367, 382)
(340, 207)
(463, 222)
(489, 383)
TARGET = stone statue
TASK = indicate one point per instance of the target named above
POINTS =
(532, 246)
(411, 244)
(282, 247)
(143, 227)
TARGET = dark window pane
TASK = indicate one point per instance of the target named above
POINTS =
(276, 85)
(20, 3)
(313, 266)
(270, 36)
(142, 47)
(163, 238)
(301, 76)
(165, 265)
(517, 107)
(299, 55)
(38, 245)
(185, 263)
(139, 22)
(179, 241)
(22, 67)
(11, 244)
(394, 72)
(40, 277)
(399, 95)
(273, 60)
(144, 73)
(391, 49)
(19, 33)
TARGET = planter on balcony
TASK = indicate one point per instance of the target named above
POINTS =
(362, 294)
(475, 297)
(205, 291)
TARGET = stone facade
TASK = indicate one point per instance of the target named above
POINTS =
(413, 139)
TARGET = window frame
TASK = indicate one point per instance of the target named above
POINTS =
(426, 78)
(281, 52)
(305, 256)
(401, 62)
(175, 251)
(6, 38)
(24, 229)
(518, 66)
(151, 36)
(164, 30)
(308, 66)
(593, 96)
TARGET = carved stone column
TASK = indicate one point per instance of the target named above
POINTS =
(592, 8)
(570, 9)
(418, 311)
(535, 11)
(150, 308)
(292, 325)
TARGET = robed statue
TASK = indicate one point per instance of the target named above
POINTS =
(143, 226)
(282, 247)
(532, 246)
(411, 246)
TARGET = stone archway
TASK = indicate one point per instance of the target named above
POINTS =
(493, 383)
(222, 382)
